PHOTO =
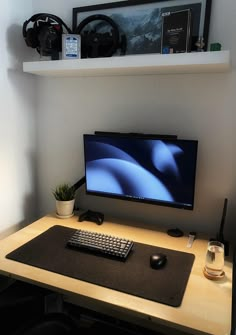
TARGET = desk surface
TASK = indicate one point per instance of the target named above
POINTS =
(206, 305)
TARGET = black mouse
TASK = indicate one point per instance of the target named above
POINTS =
(158, 260)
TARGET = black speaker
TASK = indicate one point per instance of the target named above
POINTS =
(100, 39)
(46, 34)
(233, 305)
(220, 235)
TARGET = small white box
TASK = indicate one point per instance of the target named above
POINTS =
(71, 44)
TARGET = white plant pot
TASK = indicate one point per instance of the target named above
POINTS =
(64, 209)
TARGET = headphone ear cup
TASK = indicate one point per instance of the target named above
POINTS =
(49, 39)
(32, 38)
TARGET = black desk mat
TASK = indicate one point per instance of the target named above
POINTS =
(133, 276)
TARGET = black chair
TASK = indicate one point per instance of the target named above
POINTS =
(49, 324)
(33, 310)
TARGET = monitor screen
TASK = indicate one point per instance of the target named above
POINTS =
(146, 169)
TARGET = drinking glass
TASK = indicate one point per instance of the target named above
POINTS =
(214, 262)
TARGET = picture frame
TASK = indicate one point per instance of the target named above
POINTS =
(141, 21)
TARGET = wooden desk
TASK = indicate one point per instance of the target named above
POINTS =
(206, 305)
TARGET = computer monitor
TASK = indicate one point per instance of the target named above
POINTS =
(148, 169)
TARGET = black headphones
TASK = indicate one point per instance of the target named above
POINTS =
(103, 44)
(46, 33)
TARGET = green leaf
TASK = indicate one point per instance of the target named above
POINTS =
(64, 192)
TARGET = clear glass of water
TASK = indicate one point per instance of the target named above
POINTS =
(214, 262)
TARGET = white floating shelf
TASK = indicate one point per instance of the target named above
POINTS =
(195, 62)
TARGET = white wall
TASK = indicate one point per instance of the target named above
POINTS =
(17, 125)
(199, 106)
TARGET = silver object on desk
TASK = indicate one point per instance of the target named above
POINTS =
(191, 238)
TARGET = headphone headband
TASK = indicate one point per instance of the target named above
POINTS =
(36, 17)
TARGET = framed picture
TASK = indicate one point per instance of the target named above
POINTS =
(141, 21)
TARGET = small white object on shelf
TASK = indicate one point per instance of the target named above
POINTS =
(71, 45)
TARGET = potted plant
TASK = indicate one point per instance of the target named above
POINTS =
(64, 195)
